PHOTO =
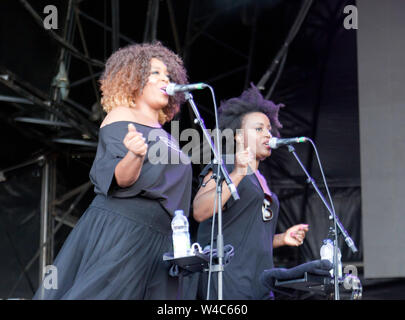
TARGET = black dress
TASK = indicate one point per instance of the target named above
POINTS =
(115, 250)
(251, 237)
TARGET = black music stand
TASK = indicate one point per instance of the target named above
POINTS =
(197, 261)
(188, 264)
(313, 277)
(184, 266)
(311, 283)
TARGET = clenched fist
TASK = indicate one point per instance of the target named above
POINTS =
(135, 142)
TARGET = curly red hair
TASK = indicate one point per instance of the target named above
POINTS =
(126, 74)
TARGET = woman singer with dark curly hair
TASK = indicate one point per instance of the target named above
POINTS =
(115, 250)
(249, 224)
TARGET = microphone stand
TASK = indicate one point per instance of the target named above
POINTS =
(222, 174)
(336, 222)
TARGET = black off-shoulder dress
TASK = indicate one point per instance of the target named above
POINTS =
(115, 250)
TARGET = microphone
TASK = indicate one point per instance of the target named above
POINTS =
(173, 88)
(274, 143)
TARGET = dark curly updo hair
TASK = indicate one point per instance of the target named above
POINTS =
(126, 74)
(232, 111)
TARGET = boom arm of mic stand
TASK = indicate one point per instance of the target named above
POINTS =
(346, 236)
(200, 121)
(336, 223)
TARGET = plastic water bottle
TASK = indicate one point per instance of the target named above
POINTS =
(181, 236)
(327, 254)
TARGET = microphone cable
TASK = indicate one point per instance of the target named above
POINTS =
(323, 175)
(215, 202)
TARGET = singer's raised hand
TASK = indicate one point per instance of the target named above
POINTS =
(242, 160)
(135, 142)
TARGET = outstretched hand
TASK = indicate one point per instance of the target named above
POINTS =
(295, 235)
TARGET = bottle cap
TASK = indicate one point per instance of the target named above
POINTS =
(178, 212)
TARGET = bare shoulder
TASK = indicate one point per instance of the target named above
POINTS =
(118, 114)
